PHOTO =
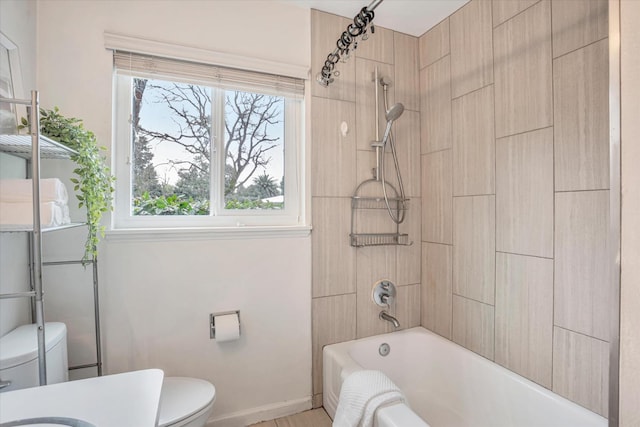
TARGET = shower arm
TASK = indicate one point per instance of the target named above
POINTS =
(343, 46)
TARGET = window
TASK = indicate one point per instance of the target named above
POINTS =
(200, 145)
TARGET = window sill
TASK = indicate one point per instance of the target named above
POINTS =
(208, 233)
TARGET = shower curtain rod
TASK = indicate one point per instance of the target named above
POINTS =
(343, 46)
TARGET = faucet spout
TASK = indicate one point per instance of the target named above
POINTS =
(389, 318)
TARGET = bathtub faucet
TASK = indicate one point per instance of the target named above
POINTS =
(389, 318)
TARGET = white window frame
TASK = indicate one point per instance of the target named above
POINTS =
(219, 218)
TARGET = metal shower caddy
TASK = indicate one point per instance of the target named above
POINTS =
(363, 203)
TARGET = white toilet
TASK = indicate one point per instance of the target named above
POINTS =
(184, 402)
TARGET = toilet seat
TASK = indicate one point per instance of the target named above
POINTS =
(185, 400)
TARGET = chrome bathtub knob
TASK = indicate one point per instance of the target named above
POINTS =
(384, 293)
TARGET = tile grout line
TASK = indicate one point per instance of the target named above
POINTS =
(517, 14)
(437, 243)
(436, 151)
(578, 48)
(553, 143)
(451, 182)
(581, 191)
(524, 132)
(495, 185)
(580, 333)
(333, 295)
(477, 89)
(524, 255)
(473, 299)
(475, 195)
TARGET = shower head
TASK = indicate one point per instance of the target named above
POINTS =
(394, 112)
(392, 115)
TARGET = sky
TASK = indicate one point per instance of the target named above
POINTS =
(155, 115)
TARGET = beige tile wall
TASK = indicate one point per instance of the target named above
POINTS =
(470, 36)
(524, 193)
(581, 268)
(473, 325)
(585, 369)
(524, 302)
(507, 174)
(434, 44)
(522, 58)
(437, 201)
(581, 131)
(473, 143)
(343, 276)
(578, 23)
(474, 248)
(332, 172)
(507, 9)
(515, 188)
(437, 293)
(435, 104)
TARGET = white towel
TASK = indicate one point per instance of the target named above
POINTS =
(362, 393)
(21, 190)
(21, 214)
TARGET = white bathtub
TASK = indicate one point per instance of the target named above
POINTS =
(447, 385)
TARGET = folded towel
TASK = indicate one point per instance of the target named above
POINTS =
(362, 393)
(21, 190)
(21, 214)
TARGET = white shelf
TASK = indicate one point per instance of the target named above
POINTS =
(20, 146)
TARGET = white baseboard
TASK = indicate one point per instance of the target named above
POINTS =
(261, 413)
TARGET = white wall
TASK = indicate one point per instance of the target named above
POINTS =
(156, 295)
(18, 23)
(630, 242)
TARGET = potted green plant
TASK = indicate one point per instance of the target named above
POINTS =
(93, 183)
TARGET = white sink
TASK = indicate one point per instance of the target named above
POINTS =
(121, 400)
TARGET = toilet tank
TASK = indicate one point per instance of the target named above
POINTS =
(19, 356)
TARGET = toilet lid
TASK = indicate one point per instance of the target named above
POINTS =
(21, 345)
(183, 397)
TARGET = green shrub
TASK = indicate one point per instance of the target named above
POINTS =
(251, 204)
(173, 204)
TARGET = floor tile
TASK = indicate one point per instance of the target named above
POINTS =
(314, 418)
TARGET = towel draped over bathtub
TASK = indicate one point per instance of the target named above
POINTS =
(362, 393)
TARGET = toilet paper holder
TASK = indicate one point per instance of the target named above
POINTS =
(212, 322)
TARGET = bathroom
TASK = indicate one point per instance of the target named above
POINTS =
(301, 289)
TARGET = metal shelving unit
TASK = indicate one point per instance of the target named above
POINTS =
(21, 145)
(33, 148)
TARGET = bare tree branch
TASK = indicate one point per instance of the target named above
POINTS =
(248, 122)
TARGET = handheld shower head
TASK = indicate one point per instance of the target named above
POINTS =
(392, 115)
(394, 112)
